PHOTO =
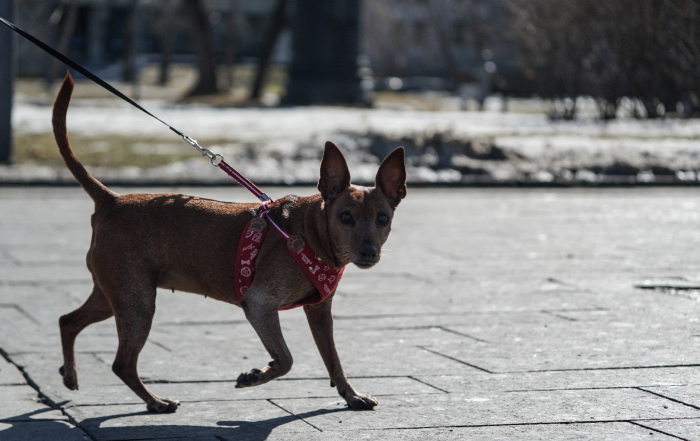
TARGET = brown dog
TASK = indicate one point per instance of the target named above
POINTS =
(141, 242)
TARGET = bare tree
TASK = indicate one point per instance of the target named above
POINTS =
(165, 25)
(231, 37)
(551, 36)
(130, 74)
(204, 48)
(65, 18)
(648, 50)
(384, 40)
(440, 12)
(276, 23)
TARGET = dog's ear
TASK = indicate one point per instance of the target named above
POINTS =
(335, 176)
(391, 177)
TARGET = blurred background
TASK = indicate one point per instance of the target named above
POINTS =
(478, 91)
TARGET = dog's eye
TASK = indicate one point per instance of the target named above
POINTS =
(383, 219)
(346, 218)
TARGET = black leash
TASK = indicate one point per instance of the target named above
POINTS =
(72, 64)
(216, 159)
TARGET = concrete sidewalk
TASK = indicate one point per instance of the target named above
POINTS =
(494, 314)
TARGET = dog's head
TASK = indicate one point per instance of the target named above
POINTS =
(359, 218)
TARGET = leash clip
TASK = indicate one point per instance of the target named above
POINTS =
(215, 158)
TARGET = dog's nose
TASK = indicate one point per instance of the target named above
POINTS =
(368, 252)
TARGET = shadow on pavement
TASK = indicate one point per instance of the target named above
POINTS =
(24, 428)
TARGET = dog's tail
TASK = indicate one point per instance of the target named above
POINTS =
(97, 191)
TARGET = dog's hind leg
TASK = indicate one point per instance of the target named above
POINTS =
(133, 311)
(266, 322)
(95, 309)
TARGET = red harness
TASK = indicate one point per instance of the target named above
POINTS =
(324, 277)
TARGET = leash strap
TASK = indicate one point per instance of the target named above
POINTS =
(216, 159)
(56, 54)
(243, 181)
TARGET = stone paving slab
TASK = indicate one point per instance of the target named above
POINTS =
(649, 379)
(9, 374)
(448, 296)
(687, 429)
(511, 315)
(495, 408)
(578, 356)
(93, 372)
(22, 403)
(685, 393)
(542, 432)
(47, 274)
(23, 299)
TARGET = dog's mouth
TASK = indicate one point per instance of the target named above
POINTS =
(365, 264)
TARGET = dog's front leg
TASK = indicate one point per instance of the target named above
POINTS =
(265, 320)
(321, 323)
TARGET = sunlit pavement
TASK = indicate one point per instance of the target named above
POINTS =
(493, 314)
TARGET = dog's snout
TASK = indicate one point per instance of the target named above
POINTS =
(368, 252)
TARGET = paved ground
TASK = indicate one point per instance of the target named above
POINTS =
(495, 314)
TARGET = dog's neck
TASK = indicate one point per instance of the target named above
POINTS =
(307, 217)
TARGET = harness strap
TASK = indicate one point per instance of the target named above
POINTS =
(265, 208)
(324, 277)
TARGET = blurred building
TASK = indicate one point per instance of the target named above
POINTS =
(438, 44)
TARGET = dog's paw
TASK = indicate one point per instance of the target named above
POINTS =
(361, 402)
(248, 379)
(163, 405)
(70, 378)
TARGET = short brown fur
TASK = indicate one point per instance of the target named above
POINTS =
(141, 242)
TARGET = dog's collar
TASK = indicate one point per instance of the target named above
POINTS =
(324, 277)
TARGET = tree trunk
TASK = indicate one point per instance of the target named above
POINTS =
(326, 45)
(230, 46)
(204, 48)
(68, 22)
(130, 43)
(166, 28)
(8, 51)
(278, 21)
(442, 29)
